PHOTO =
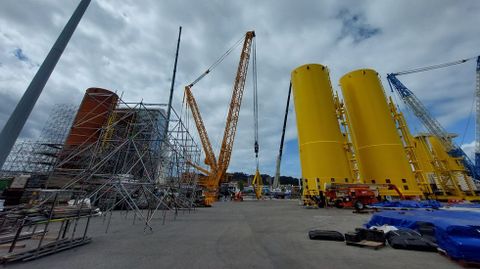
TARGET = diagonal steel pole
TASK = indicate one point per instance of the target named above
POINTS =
(172, 86)
(22, 111)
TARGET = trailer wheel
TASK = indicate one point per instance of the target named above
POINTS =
(338, 203)
(359, 205)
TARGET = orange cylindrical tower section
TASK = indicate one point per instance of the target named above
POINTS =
(379, 149)
(92, 115)
(322, 145)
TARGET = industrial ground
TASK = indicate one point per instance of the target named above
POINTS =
(250, 234)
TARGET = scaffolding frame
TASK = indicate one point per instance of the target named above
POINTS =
(39, 155)
(134, 165)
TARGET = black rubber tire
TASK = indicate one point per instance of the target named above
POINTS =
(338, 203)
(326, 235)
(359, 206)
(321, 202)
(352, 237)
(410, 240)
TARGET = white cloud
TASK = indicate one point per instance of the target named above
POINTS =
(469, 149)
(129, 46)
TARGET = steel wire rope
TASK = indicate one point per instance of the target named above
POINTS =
(255, 102)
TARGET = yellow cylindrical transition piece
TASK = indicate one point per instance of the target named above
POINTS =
(441, 152)
(461, 182)
(379, 150)
(322, 145)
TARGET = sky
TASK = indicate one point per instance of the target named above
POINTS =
(129, 47)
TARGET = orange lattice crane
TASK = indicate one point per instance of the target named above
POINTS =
(218, 168)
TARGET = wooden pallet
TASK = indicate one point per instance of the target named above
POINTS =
(366, 244)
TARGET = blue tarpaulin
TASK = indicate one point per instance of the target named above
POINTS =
(409, 204)
(457, 232)
(469, 205)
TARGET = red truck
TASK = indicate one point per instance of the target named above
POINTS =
(355, 195)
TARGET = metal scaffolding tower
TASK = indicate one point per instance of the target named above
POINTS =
(15, 123)
(132, 165)
(39, 155)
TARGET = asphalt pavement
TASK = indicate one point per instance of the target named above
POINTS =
(249, 234)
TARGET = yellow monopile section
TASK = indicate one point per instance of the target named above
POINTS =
(322, 145)
(379, 149)
(454, 167)
(441, 153)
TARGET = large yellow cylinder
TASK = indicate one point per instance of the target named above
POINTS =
(322, 145)
(453, 165)
(441, 152)
(379, 150)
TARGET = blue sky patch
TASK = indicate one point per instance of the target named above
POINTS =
(354, 25)
(18, 53)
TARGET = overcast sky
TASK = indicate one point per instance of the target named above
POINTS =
(128, 46)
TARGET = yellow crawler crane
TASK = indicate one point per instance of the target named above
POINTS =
(218, 168)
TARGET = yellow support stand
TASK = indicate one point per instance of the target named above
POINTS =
(257, 184)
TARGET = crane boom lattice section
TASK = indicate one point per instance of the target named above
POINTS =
(210, 159)
(235, 104)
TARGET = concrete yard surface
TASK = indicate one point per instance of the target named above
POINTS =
(250, 234)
